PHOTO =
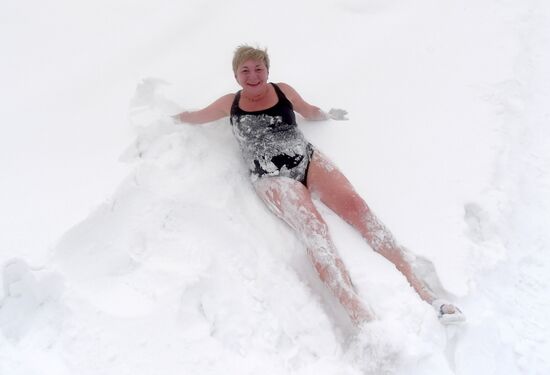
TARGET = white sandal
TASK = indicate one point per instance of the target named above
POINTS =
(446, 315)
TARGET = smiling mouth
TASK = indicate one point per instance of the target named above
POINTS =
(253, 84)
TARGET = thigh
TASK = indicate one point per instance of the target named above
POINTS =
(287, 198)
(327, 182)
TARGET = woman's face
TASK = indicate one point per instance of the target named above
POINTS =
(252, 75)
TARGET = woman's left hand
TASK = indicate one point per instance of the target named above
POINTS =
(337, 114)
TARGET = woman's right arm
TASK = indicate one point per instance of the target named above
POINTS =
(215, 111)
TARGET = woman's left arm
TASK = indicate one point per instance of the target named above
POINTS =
(308, 111)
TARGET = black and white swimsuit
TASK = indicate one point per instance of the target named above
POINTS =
(270, 141)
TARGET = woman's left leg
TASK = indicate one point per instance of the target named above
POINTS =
(337, 193)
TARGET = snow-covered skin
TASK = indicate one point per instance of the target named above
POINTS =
(183, 270)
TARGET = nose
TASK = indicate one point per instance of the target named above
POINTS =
(254, 78)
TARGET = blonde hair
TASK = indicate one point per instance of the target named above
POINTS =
(245, 52)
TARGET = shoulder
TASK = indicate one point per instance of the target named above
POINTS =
(228, 98)
(300, 105)
(225, 102)
(291, 94)
(288, 90)
(285, 87)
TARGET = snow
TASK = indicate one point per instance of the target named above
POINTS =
(131, 244)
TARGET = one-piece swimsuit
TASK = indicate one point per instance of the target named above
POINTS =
(270, 141)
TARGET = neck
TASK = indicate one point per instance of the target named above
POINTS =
(256, 97)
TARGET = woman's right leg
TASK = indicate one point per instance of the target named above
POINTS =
(291, 201)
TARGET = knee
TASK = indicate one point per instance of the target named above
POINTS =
(354, 206)
(315, 229)
(321, 260)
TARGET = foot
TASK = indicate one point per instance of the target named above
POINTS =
(447, 312)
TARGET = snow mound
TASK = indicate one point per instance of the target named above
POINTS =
(184, 266)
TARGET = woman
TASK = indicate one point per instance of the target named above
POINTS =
(286, 170)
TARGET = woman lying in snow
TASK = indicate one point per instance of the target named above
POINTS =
(286, 170)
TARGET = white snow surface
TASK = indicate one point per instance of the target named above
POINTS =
(134, 245)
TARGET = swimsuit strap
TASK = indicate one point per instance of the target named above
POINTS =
(235, 104)
(280, 93)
